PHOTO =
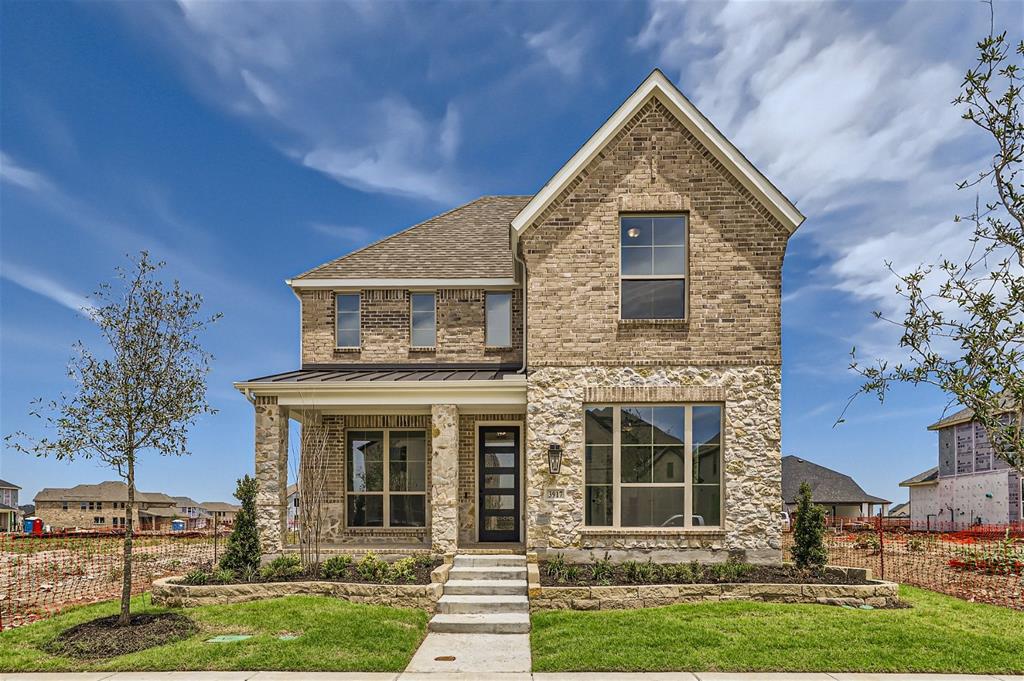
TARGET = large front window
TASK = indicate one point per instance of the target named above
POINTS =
(653, 465)
(652, 258)
(387, 478)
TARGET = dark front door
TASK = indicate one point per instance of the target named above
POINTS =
(499, 483)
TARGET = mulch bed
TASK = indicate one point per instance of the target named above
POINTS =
(751, 574)
(101, 638)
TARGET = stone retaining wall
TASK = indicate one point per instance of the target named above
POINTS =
(423, 596)
(876, 594)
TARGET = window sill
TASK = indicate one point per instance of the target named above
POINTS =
(497, 348)
(633, 323)
(385, 530)
(425, 348)
(633, 531)
(347, 349)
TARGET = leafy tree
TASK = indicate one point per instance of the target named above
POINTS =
(965, 332)
(809, 532)
(141, 395)
(242, 555)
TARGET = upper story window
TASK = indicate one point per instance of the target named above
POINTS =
(652, 261)
(499, 319)
(347, 320)
(424, 320)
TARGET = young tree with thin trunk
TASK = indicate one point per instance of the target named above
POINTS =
(140, 394)
(963, 322)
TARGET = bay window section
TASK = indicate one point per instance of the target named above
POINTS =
(386, 478)
(653, 466)
(652, 267)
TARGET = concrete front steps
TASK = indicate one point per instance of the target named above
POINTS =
(484, 594)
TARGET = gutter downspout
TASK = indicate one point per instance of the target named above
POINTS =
(515, 258)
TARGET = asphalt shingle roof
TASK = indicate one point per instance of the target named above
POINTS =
(470, 241)
(928, 476)
(827, 486)
(111, 490)
(8, 485)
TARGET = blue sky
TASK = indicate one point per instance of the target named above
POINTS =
(247, 142)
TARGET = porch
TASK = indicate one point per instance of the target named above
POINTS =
(400, 461)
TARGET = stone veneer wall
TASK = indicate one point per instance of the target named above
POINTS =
(385, 328)
(752, 467)
(444, 478)
(271, 471)
(468, 459)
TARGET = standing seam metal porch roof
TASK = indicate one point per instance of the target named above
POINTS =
(384, 374)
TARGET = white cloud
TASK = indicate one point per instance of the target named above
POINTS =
(45, 286)
(14, 173)
(351, 235)
(280, 68)
(561, 48)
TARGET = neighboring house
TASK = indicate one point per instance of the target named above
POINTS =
(900, 510)
(102, 506)
(220, 513)
(592, 368)
(971, 484)
(191, 512)
(10, 515)
(836, 492)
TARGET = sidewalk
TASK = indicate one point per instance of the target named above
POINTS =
(496, 676)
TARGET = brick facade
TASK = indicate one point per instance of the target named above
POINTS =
(735, 258)
(385, 329)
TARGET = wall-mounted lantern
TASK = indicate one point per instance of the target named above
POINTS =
(554, 458)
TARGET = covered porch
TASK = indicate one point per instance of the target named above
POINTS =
(394, 460)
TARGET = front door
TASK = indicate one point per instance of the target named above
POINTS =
(499, 483)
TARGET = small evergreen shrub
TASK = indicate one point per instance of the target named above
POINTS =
(335, 567)
(282, 567)
(403, 570)
(809, 550)
(197, 577)
(373, 569)
(243, 549)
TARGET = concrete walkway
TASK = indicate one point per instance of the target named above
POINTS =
(493, 676)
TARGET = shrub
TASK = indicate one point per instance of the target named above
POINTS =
(373, 569)
(282, 567)
(197, 577)
(867, 540)
(730, 571)
(335, 567)
(403, 570)
(243, 548)
(555, 566)
(682, 573)
(915, 544)
(571, 574)
(602, 571)
(640, 573)
(222, 576)
(809, 532)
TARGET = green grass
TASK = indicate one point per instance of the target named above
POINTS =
(939, 634)
(335, 636)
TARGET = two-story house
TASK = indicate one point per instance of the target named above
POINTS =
(971, 485)
(103, 505)
(592, 368)
(10, 515)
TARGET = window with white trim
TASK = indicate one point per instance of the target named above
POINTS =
(499, 319)
(387, 478)
(652, 267)
(423, 315)
(347, 320)
(653, 465)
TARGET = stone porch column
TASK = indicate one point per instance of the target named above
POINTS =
(271, 472)
(444, 478)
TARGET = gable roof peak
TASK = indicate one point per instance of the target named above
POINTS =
(657, 85)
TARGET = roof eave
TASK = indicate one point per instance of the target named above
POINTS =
(659, 86)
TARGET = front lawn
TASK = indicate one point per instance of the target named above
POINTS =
(333, 635)
(938, 634)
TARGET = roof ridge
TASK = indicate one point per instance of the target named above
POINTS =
(403, 231)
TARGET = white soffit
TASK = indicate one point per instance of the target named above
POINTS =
(658, 85)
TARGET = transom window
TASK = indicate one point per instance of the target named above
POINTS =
(652, 261)
(653, 465)
(424, 320)
(499, 319)
(347, 320)
(387, 490)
